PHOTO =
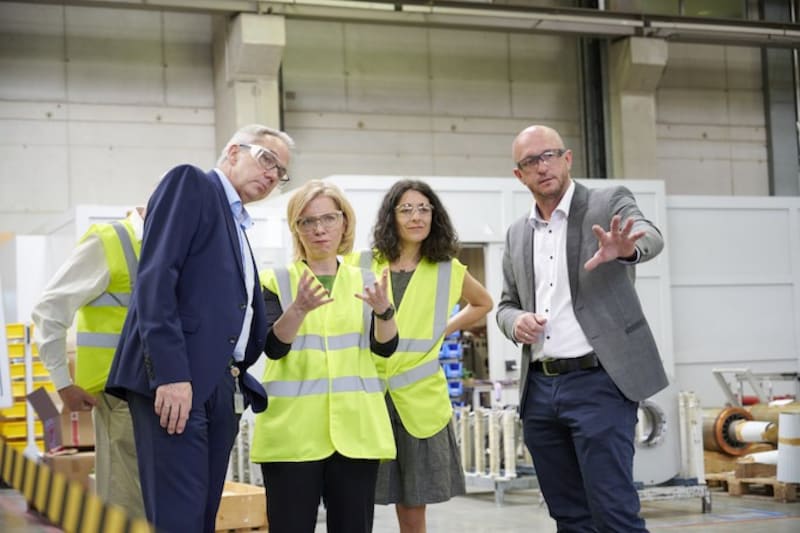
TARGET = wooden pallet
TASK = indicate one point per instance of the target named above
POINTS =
(763, 486)
(718, 479)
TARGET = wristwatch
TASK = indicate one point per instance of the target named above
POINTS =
(386, 315)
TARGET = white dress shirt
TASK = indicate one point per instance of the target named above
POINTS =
(563, 336)
(82, 278)
(243, 221)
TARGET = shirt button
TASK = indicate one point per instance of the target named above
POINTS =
(232, 340)
(242, 306)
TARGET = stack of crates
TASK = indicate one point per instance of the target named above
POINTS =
(13, 421)
(451, 359)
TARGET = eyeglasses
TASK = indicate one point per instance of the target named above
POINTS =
(326, 220)
(408, 210)
(547, 156)
(267, 160)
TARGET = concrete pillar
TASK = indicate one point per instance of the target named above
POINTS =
(636, 65)
(247, 56)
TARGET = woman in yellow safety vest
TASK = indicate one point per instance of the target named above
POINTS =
(327, 427)
(414, 237)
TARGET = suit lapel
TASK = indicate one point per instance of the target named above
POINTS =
(527, 251)
(577, 212)
(229, 222)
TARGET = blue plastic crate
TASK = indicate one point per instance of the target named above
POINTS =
(451, 350)
(453, 370)
(456, 388)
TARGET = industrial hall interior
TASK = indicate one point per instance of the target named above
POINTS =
(400, 266)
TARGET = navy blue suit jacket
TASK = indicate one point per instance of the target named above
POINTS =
(190, 298)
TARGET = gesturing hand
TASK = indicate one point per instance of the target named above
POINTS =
(310, 294)
(615, 243)
(377, 296)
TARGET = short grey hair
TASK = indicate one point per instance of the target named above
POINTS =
(254, 133)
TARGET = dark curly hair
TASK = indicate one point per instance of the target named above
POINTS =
(441, 244)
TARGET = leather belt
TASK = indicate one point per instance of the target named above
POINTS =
(556, 367)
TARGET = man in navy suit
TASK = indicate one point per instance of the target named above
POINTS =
(195, 324)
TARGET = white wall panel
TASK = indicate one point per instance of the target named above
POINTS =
(711, 127)
(188, 75)
(735, 270)
(387, 69)
(95, 104)
(114, 56)
(313, 66)
(31, 48)
(378, 99)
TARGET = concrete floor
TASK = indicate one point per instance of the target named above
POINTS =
(523, 512)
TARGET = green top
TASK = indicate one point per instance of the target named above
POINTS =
(400, 282)
(327, 281)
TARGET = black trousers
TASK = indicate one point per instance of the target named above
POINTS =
(294, 491)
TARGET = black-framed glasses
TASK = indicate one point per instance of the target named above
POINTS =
(326, 220)
(267, 160)
(532, 161)
(408, 210)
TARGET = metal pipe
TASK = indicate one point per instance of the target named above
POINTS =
(770, 413)
(716, 430)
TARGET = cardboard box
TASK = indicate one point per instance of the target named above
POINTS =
(242, 506)
(62, 428)
(74, 465)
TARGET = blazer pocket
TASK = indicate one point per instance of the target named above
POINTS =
(636, 325)
(189, 324)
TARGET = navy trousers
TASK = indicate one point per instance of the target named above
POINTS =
(183, 475)
(579, 429)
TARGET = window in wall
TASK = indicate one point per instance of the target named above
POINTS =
(735, 9)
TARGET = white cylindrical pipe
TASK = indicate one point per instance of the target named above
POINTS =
(751, 430)
(466, 438)
(480, 446)
(768, 458)
(789, 447)
(510, 443)
(494, 443)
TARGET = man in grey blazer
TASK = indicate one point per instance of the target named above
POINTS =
(588, 355)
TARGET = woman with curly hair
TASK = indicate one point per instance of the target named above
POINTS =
(414, 238)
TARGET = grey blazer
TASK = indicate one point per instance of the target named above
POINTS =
(604, 300)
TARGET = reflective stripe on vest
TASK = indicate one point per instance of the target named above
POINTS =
(109, 299)
(310, 387)
(127, 250)
(97, 340)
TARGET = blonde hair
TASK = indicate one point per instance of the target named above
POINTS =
(303, 196)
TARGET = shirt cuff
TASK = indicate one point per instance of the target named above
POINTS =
(631, 260)
(60, 377)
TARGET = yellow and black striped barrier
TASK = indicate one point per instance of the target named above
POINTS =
(66, 504)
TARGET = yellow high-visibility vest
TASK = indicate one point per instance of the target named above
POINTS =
(325, 394)
(413, 375)
(100, 321)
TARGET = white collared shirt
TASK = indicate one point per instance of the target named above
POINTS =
(563, 336)
(242, 221)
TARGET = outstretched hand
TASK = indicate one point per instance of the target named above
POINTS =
(377, 296)
(310, 294)
(617, 242)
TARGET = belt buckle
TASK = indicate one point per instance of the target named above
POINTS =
(545, 371)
